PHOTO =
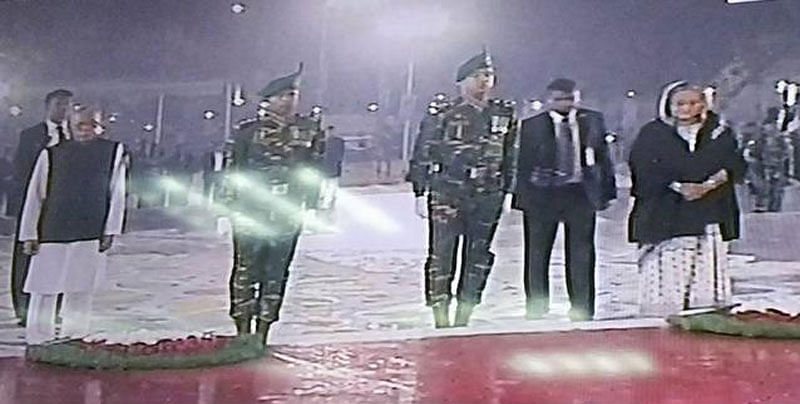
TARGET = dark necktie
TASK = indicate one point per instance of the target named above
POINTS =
(565, 149)
(61, 135)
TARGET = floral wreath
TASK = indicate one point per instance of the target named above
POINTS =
(769, 323)
(178, 353)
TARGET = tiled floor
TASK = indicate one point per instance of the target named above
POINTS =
(364, 284)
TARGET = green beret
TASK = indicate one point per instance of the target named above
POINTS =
(480, 61)
(281, 84)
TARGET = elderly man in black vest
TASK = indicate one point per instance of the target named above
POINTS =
(564, 175)
(50, 132)
(74, 206)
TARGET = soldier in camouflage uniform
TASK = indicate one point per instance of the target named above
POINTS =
(464, 160)
(770, 161)
(271, 179)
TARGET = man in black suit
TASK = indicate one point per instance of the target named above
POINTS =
(564, 175)
(6, 179)
(31, 142)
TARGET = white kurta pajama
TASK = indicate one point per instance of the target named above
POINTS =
(75, 268)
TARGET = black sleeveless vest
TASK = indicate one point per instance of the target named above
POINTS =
(78, 194)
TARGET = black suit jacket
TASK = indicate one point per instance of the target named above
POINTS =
(537, 150)
(31, 143)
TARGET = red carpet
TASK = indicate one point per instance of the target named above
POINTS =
(621, 366)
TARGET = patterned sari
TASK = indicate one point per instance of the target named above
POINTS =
(683, 273)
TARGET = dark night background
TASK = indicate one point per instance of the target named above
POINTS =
(608, 46)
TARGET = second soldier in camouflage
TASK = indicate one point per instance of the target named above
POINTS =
(464, 160)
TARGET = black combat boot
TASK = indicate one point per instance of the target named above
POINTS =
(242, 326)
(262, 329)
(463, 313)
(441, 315)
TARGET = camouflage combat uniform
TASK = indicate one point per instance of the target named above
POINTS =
(770, 160)
(271, 178)
(465, 158)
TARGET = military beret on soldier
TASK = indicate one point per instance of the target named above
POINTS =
(480, 61)
(281, 84)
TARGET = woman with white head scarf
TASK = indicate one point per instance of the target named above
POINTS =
(684, 165)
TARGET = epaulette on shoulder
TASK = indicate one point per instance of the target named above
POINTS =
(244, 123)
(503, 102)
(304, 119)
(439, 104)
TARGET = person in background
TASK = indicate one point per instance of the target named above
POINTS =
(213, 163)
(6, 180)
(52, 131)
(769, 158)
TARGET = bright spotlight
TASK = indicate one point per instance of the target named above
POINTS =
(594, 363)
(242, 219)
(309, 175)
(273, 198)
(366, 213)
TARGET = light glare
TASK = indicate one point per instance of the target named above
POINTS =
(595, 363)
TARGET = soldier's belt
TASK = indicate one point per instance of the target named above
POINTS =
(279, 189)
(465, 174)
(273, 189)
(300, 143)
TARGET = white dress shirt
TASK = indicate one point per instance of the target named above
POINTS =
(52, 132)
(689, 134)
